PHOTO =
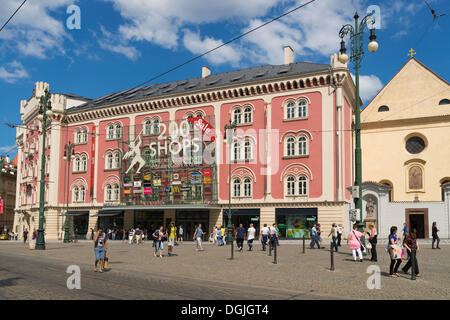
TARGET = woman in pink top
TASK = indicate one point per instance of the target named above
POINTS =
(355, 243)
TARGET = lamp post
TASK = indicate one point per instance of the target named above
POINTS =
(69, 151)
(45, 110)
(357, 53)
(229, 228)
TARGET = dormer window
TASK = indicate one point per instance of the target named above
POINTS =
(383, 109)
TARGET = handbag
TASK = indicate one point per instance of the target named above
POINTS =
(369, 245)
(363, 249)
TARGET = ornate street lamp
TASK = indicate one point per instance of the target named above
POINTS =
(45, 110)
(357, 53)
(230, 126)
(69, 151)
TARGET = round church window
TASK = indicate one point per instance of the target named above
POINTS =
(415, 145)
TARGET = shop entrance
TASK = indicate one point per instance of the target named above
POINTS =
(418, 219)
(80, 223)
(190, 219)
(148, 220)
(244, 216)
(110, 220)
(295, 223)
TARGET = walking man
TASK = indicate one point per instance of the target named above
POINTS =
(25, 236)
(434, 233)
(198, 237)
(99, 249)
(180, 234)
(138, 236)
(251, 232)
(339, 236)
(131, 236)
(158, 235)
(171, 241)
(273, 236)
(314, 239)
(240, 235)
(264, 236)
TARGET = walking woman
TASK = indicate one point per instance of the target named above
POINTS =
(434, 233)
(334, 235)
(395, 262)
(373, 241)
(355, 243)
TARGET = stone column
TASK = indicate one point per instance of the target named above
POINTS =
(267, 215)
(169, 214)
(128, 219)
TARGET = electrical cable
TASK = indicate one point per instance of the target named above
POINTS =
(4, 25)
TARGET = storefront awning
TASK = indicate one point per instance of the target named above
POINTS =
(297, 211)
(108, 213)
(158, 208)
(75, 213)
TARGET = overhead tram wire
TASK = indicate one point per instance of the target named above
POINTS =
(17, 10)
(224, 44)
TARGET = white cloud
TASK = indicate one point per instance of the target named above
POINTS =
(368, 86)
(11, 72)
(116, 44)
(227, 53)
(33, 31)
(8, 149)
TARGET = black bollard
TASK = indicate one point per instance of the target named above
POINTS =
(270, 247)
(303, 244)
(331, 257)
(275, 254)
(413, 263)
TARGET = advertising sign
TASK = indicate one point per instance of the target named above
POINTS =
(147, 190)
(147, 177)
(207, 172)
(157, 182)
(204, 126)
(127, 185)
(196, 182)
(2, 206)
(176, 182)
(207, 180)
(127, 191)
(137, 191)
(137, 184)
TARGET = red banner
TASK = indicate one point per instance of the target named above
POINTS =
(92, 162)
(2, 206)
(206, 128)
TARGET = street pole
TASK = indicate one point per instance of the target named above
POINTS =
(357, 53)
(69, 148)
(229, 227)
(44, 111)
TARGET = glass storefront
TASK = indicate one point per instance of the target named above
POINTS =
(148, 220)
(244, 216)
(295, 223)
(80, 223)
(110, 220)
(189, 219)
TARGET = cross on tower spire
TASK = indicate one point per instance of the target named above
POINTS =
(411, 53)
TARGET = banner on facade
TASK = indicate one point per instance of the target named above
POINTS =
(207, 180)
(2, 206)
(147, 190)
(204, 126)
(207, 172)
(127, 191)
(91, 190)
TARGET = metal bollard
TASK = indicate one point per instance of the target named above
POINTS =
(275, 254)
(331, 257)
(303, 244)
(413, 263)
(270, 247)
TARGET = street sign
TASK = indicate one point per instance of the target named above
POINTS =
(2, 206)
(355, 192)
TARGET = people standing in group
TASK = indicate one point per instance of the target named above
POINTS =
(158, 235)
(334, 236)
(340, 230)
(240, 236)
(395, 260)
(264, 236)
(410, 243)
(99, 249)
(372, 233)
(434, 234)
(314, 238)
(354, 242)
(171, 241)
(180, 234)
(251, 233)
(198, 238)
(25, 235)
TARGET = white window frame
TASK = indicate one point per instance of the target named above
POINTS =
(289, 150)
(248, 115)
(236, 188)
(247, 185)
(302, 183)
(108, 192)
(110, 132)
(290, 186)
(237, 115)
(302, 144)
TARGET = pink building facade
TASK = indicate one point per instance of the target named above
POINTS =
(141, 159)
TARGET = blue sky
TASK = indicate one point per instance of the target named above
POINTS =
(122, 43)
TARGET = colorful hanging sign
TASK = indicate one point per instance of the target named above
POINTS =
(127, 191)
(196, 182)
(207, 172)
(207, 180)
(147, 177)
(147, 190)
(157, 182)
(176, 183)
(137, 184)
(204, 126)
(127, 185)
(2, 206)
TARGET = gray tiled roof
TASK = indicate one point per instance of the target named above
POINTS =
(214, 80)
(74, 96)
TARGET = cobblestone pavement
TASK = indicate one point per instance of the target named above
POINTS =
(136, 274)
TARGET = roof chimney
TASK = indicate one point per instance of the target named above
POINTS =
(205, 72)
(288, 55)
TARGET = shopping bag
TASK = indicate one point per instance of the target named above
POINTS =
(368, 245)
(397, 252)
(106, 264)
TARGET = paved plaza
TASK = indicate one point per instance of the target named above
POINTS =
(136, 274)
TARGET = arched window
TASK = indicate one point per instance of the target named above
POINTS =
(118, 130)
(290, 146)
(147, 156)
(197, 151)
(302, 186)
(247, 150)
(75, 194)
(85, 135)
(443, 182)
(237, 116)
(117, 160)
(156, 126)
(290, 186)
(444, 102)
(247, 187)
(108, 192)
(188, 116)
(109, 161)
(302, 109)
(82, 194)
(236, 187)
(383, 109)
(248, 115)
(83, 163)
(290, 110)
(302, 146)
(116, 192)
(199, 114)
(111, 132)
(78, 136)
(77, 167)
(147, 127)
(237, 151)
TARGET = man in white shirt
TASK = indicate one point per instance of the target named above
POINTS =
(273, 236)
(250, 236)
(339, 230)
(264, 236)
(131, 236)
